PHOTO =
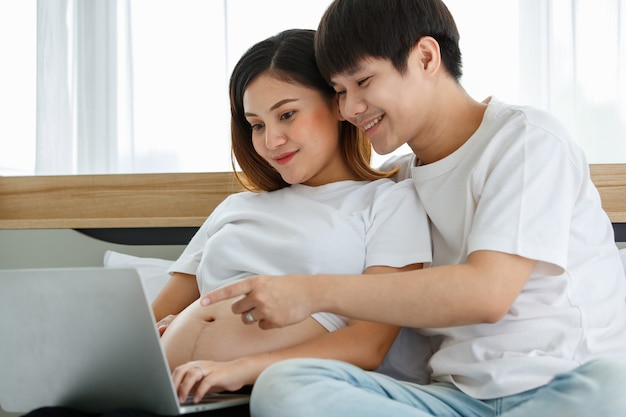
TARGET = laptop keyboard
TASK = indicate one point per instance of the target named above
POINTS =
(212, 398)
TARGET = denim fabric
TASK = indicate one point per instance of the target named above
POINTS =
(325, 388)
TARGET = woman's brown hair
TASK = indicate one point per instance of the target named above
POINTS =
(290, 57)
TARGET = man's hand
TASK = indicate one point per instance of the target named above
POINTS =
(271, 301)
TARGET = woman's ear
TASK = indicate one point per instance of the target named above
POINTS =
(338, 109)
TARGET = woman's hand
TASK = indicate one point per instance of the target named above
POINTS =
(269, 300)
(163, 324)
(202, 377)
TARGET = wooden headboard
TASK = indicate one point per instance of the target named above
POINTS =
(112, 201)
(141, 209)
(143, 206)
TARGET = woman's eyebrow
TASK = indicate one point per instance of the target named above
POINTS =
(281, 102)
(275, 106)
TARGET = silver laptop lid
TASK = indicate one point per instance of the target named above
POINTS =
(83, 338)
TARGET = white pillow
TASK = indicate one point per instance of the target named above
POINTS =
(622, 253)
(153, 271)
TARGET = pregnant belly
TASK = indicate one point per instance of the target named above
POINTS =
(215, 333)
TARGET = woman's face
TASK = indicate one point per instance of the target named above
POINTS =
(296, 130)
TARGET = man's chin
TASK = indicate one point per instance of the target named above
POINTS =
(383, 148)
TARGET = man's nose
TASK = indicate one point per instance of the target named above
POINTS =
(352, 105)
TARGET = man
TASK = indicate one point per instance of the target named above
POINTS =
(526, 291)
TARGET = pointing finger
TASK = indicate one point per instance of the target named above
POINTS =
(224, 293)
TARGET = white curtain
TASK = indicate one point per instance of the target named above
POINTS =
(84, 94)
(54, 121)
(568, 57)
(573, 63)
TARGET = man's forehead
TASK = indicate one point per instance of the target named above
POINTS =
(357, 68)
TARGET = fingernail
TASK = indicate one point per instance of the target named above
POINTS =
(205, 301)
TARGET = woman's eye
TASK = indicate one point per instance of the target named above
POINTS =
(287, 115)
(256, 126)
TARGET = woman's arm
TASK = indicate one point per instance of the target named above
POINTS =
(182, 288)
(361, 343)
(179, 291)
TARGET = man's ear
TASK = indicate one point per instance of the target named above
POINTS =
(426, 55)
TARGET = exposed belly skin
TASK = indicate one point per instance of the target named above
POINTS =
(215, 333)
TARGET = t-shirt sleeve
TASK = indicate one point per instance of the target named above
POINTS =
(526, 198)
(398, 232)
(189, 261)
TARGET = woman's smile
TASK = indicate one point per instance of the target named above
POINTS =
(285, 158)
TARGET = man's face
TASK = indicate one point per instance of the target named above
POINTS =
(386, 104)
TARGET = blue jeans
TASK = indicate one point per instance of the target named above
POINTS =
(317, 387)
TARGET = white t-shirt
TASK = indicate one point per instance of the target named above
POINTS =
(340, 228)
(520, 185)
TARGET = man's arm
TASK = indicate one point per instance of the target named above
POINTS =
(361, 343)
(480, 291)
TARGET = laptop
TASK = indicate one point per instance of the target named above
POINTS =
(85, 338)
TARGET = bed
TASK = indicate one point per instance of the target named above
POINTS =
(167, 209)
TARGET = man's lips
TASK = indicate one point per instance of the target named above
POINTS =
(284, 158)
(372, 123)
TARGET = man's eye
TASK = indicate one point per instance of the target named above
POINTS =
(363, 81)
(287, 115)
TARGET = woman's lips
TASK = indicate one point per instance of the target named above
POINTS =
(284, 158)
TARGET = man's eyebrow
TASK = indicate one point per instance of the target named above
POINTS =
(275, 106)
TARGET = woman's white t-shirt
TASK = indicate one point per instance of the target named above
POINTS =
(520, 185)
(341, 228)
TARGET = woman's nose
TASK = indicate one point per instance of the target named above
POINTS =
(274, 137)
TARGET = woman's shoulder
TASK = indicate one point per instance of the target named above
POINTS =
(376, 189)
(388, 186)
(337, 193)
(386, 194)
(402, 162)
(242, 199)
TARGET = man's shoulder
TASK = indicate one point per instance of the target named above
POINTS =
(525, 114)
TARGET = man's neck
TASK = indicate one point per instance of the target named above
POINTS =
(459, 117)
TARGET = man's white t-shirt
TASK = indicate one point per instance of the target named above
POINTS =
(520, 185)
